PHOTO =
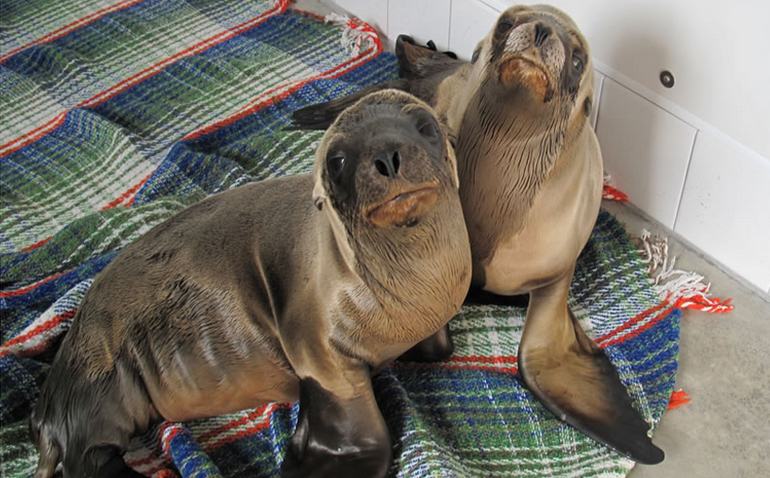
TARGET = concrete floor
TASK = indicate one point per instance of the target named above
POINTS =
(724, 367)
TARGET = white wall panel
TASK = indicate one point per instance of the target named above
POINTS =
(725, 208)
(424, 20)
(470, 21)
(645, 149)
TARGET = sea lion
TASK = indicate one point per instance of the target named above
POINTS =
(292, 288)
(530, 184)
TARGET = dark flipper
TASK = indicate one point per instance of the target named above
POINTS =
(482, 297)
(338, 437)
(107, 462)
(421, 70)
(420, 62)
(435, 348)
(574, 379)
(322, 115)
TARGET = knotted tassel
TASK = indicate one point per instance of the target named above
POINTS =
(678, 398)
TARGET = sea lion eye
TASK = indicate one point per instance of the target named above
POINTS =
(428, 130)
(503, 26)
(335, 162)
(577, 63)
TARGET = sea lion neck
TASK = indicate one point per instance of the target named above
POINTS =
(411, 261)
(505, 149)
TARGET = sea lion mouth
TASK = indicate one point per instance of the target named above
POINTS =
(404, 207)
(519, 70)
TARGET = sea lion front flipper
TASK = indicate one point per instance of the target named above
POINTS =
(435, 348)
(322, 115)
(574, 379)
(338, 437)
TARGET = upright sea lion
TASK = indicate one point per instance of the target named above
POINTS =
(292, 288)
(530, 183)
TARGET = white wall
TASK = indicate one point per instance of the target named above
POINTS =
(696, 156)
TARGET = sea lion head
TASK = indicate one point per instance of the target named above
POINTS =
(537, 51)
(384, 164)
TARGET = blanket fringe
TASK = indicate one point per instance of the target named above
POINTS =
(684, 289)
(678, 398)
(356, 33)
(612, 193)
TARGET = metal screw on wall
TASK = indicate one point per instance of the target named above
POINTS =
(667, 78)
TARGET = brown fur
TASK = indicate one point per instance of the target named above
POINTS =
(264, 293)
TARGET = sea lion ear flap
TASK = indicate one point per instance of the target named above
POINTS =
(452, 160)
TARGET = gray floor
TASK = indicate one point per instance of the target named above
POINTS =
(724, 363)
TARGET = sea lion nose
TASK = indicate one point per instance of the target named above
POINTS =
(387, 163)
(542, 32)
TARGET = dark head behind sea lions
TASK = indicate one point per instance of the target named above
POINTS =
(292, 288)
(530, 173)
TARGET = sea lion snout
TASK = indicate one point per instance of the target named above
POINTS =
(403, 186)
(404, 206)
(532, 56)
(539, 50)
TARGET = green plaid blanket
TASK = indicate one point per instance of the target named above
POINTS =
(114, 115)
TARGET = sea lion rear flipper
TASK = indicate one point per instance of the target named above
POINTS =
(338, 437)
(574, 379)
(322, 115)
(418, 62)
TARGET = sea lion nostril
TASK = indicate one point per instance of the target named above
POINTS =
(541, 33)
(380, 165)
(387, 164)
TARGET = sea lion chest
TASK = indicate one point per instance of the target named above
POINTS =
(555, 228)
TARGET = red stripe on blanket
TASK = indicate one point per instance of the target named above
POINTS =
(35, 245)
(631, 322)
(639, 330)
(70, 27)
(30, 287)
(485, 359)
(41, 131)
(32, 136)
(128, 197)
(335, 72)
(40, 329)
(129, 194)
(240, 421)
(213, 436)
(252, 430)
(469, 362)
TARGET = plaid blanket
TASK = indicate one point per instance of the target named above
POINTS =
(117, 114)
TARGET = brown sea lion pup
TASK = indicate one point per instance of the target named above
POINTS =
(293, 288)
(530, 183)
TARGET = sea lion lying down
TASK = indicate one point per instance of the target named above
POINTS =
(292, 288)
(530, 184)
